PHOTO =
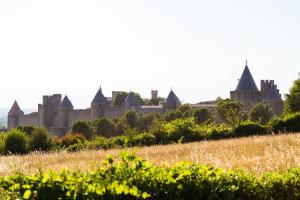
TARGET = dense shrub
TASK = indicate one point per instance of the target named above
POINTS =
(202, 115)
(133, 178)
(15, 142)
(250, 128)
(105, 127)
(290, 123)
(26, 129)
(82, 127)
(261, 113)
(39, 140)
(2, 144)
(71, 139)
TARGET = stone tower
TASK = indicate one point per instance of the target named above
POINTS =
(246, 90)
(64, 109)
(14, 115)
(272, 96)
(131, 102)
(172, 101)
(154, 94)
(99, 105)
(48, 111)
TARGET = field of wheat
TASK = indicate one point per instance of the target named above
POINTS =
(257, 154)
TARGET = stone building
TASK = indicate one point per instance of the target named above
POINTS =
(248, 93)
(58, 115)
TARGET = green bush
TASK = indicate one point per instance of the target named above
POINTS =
(133, 178)
(83, 128)
(39, 140)
(250, 128)
(71, 139)
(15, 142)
(2, 144)
(105, 127)
(26, 129)
(289, 124)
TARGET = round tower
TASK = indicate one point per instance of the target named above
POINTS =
(131, 102)
(99, 105)
(14, 115)
(64, 109)
(172, 101)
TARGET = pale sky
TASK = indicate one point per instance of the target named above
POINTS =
(196, 47)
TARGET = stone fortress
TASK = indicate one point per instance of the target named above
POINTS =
(58, 115)
(248, 93)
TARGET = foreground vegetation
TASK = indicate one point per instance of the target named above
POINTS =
(133, 178)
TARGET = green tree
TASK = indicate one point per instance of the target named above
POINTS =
(172, 115)
(15, 142)
(105, 127)
(292, 100)
(120, 98)
(82, 127)
(261, 113)
(202, 115)
(183, 108)
(131, 118)
(230, 110)
(39, 140)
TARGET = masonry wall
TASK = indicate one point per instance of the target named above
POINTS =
(79, 114)
(115, 111)
(149, 109)
(248, 98)
(30, 119)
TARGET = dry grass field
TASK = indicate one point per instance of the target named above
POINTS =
(255, 154)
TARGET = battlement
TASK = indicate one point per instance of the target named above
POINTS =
(55, 98)
(266, 85)
(154, 94)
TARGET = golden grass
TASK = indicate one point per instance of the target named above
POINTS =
(255, 154)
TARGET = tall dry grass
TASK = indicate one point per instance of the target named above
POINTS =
(255, 154)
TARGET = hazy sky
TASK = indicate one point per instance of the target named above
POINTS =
(197, 47)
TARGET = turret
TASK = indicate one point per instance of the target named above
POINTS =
(99, 105)
(131, 102)
(172, 101)
(14, 115)
(64, 109)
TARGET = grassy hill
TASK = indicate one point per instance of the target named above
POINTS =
(258, 154)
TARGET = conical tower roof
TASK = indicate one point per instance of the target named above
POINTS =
(273, 94)
(66, 103)
(15, 109)
(131, 99)
(172, 99)
(246, 82)
(100, 98)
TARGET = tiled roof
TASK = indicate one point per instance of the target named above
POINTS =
(131, 99)
(246, 82)
(66, 103)
(273, 94)
(172, 99)
(15, 109)
(100, 98)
